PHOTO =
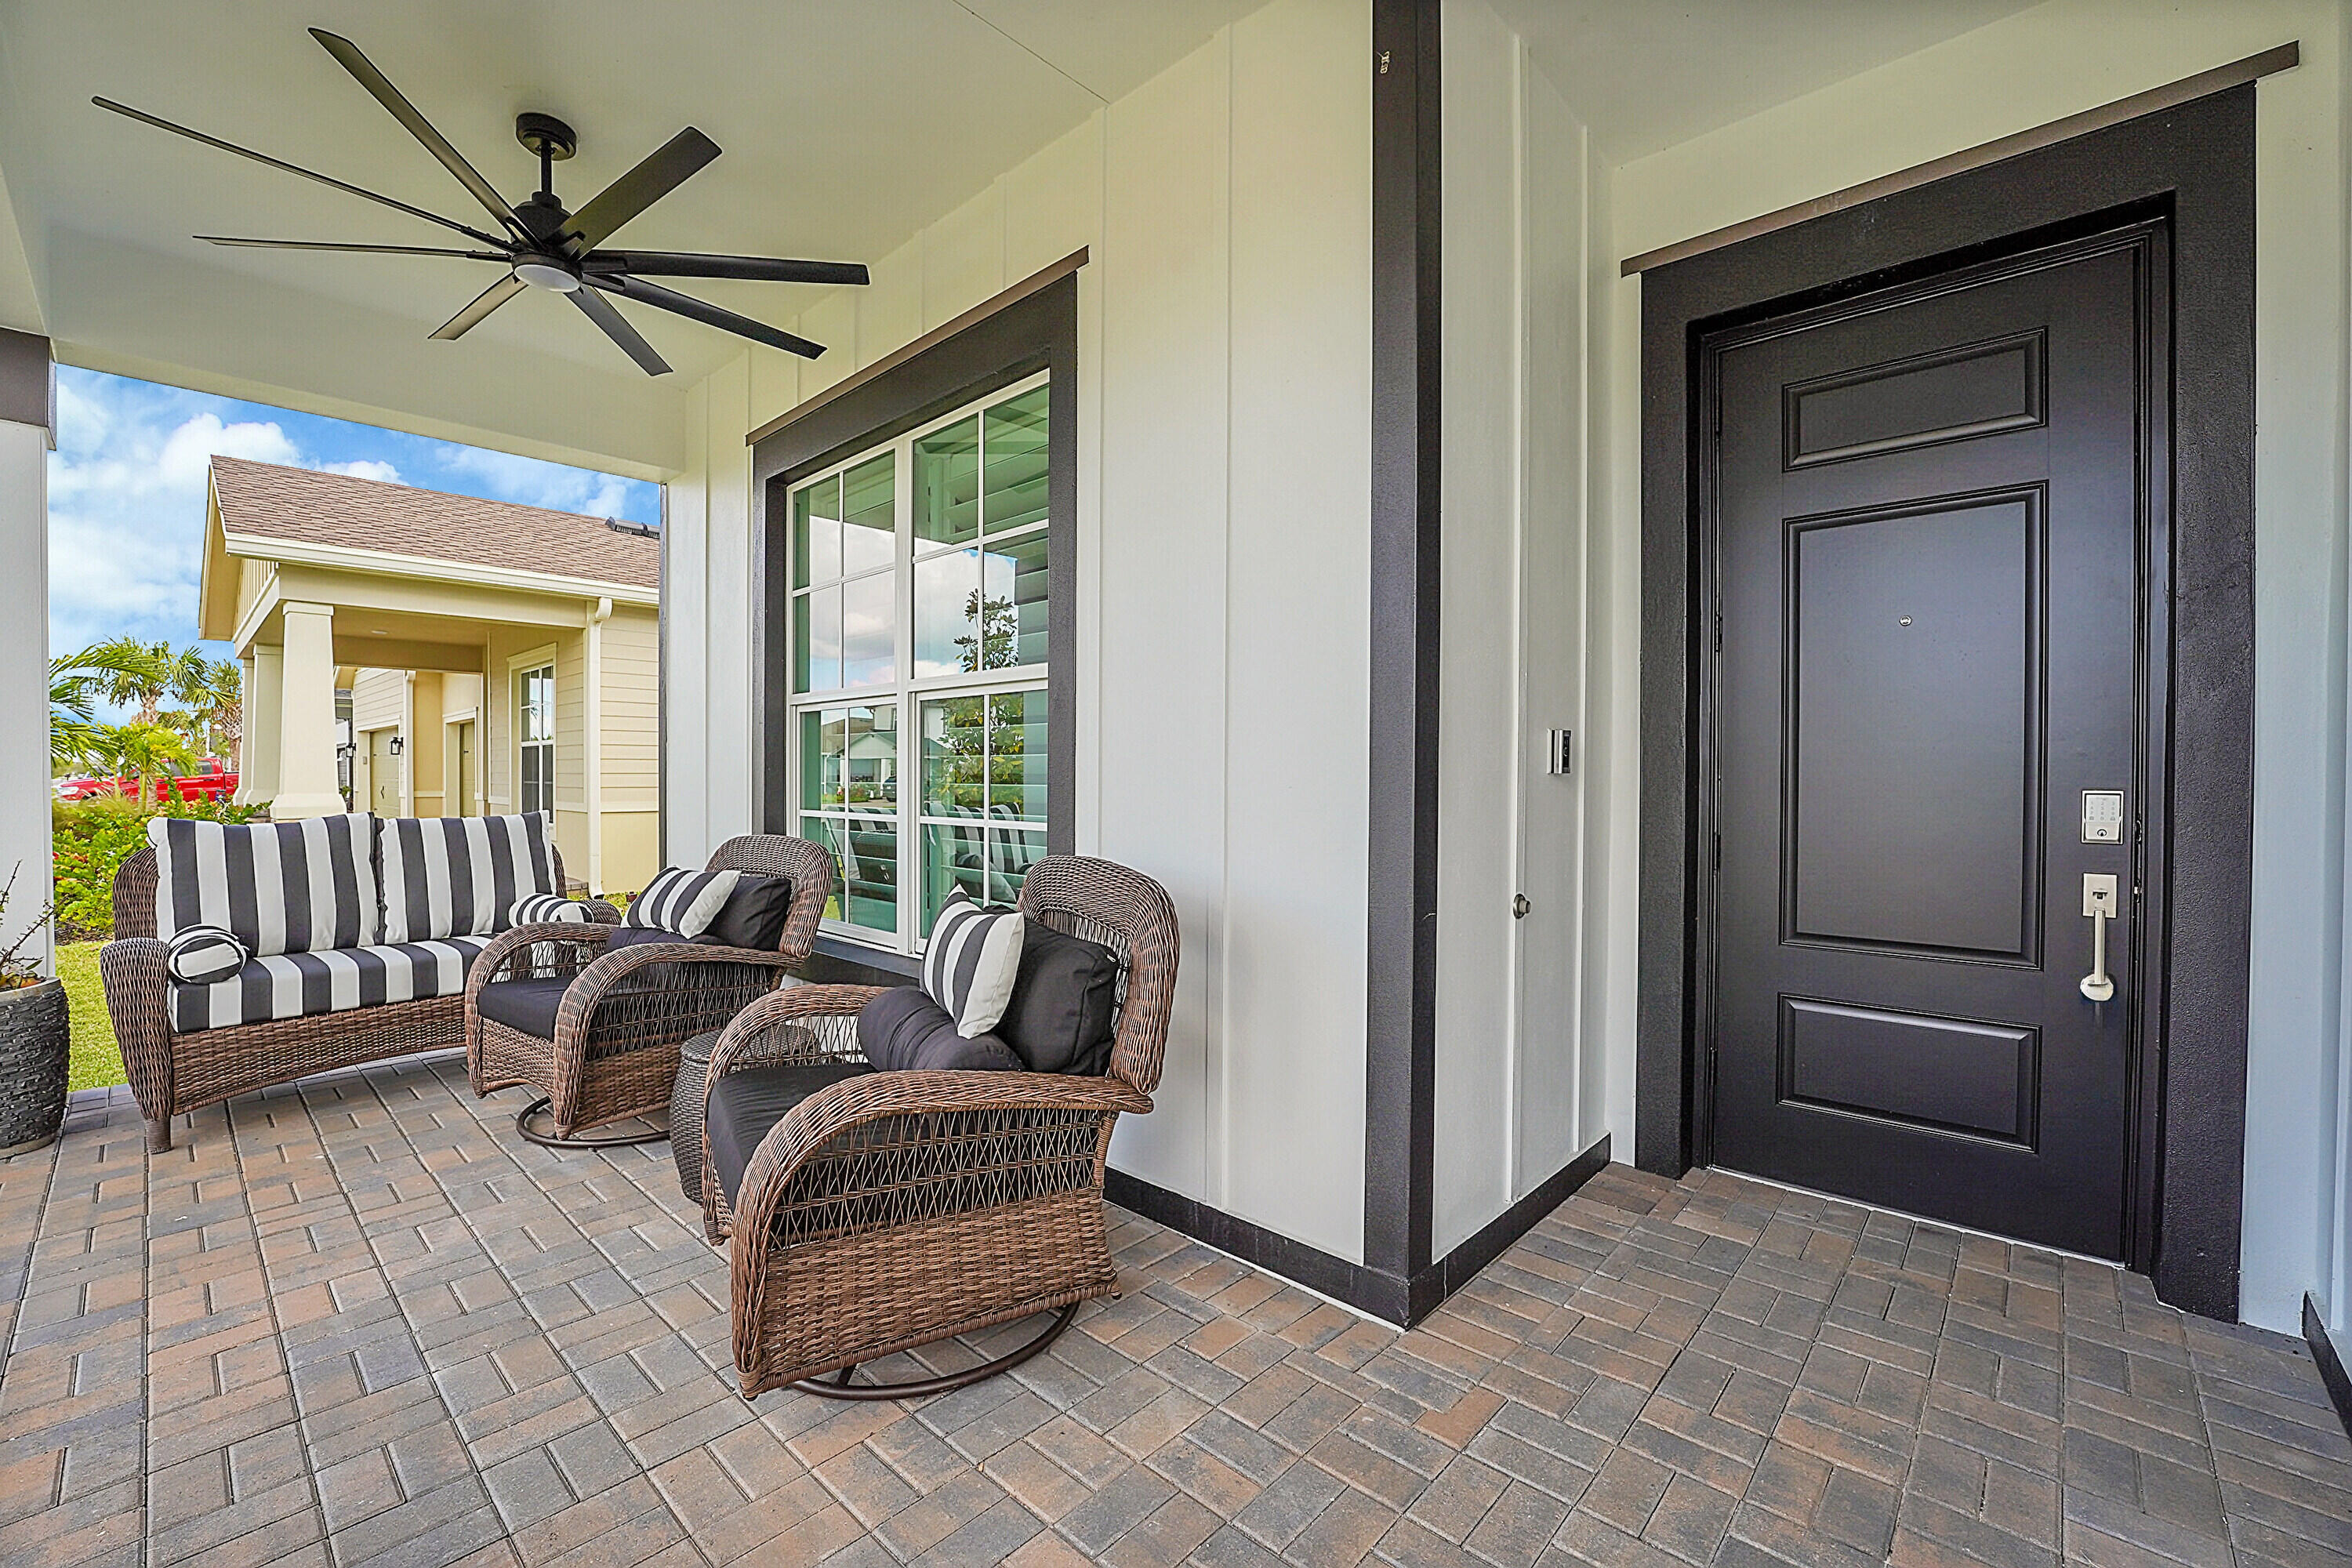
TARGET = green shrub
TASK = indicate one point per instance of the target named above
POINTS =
(89, 839)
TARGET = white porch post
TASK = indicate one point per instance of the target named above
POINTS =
(25, 631)
(265, 688)
(306, 724)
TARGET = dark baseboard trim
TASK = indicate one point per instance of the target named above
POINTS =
(2331, 1365)
(1391, 1297)
(1252, 1243)
(1459, 1266)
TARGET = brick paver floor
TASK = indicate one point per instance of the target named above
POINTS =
(361, 1321)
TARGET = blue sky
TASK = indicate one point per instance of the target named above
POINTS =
(127, 493)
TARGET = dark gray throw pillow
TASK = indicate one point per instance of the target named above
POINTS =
(1060, 1015)
(904, 1030)
(754, 914)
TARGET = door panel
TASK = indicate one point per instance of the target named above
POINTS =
(1929, 514)
(1913, 642)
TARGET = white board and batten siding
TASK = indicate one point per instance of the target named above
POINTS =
(1518, 1092)
(1223, 575)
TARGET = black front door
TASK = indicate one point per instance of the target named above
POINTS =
(1928, 512)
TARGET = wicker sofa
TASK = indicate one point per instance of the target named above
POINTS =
(174, 1070)
(893, 1209)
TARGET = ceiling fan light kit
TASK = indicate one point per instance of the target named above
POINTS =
(542, 244)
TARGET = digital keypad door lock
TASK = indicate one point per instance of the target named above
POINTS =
(2102, 817)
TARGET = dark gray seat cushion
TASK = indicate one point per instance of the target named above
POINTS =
(528, 1004)
(745, 1105)
(904, 1030)
(1059, 1019)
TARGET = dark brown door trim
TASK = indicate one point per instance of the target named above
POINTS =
(2191, 166)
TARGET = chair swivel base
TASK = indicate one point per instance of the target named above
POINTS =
(839, 1386)
(550, 1140)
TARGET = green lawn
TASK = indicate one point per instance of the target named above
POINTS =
(97, 1059)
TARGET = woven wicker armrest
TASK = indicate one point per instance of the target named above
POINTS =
(805, 1023)
(645, 967)
(133, 972)
(801, 1023)
(601, 913)
(521, 950)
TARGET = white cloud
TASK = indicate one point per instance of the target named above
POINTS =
(365, 468)
(189, 451)
(530, 482)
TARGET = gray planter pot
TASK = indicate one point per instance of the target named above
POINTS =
(35, 1043)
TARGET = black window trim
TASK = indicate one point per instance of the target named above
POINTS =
(1035, 329)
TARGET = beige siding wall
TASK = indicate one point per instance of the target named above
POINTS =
(566, 650)
(630, 655)
(377, 698)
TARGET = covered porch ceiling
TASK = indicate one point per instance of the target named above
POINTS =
(846, 129)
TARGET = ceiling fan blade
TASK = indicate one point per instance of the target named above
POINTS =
(660, 172)
(347, 54)
(694, 310)
(599, 309)
(161, 124)
(337, 244)
(761, 268)
(489, 299)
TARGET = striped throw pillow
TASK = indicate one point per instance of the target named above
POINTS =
(458, 876)
(970, 962)
(542, 908)
(201, 955)
(277, 887)
(681, 901)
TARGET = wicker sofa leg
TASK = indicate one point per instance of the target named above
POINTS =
(159, 1134)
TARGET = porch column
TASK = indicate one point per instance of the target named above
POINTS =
(306, 724)
(24, 632)
(264, 687)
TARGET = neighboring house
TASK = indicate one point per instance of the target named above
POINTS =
(482, 681)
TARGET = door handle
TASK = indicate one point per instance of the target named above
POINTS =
(2098, 907)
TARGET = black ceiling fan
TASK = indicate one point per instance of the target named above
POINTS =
(544, 245)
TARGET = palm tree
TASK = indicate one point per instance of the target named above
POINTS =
(221, 697)
(78, 681)
(132, 673)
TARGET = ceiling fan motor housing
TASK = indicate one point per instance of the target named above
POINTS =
(545, 136)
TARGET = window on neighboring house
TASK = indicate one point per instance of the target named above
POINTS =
(919, 617)
(535, 739)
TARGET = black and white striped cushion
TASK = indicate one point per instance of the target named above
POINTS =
(198, 955)
(681, 901)
(971, 961)
(458, 876)
(304, 985)
(277, 887)
(542, 908)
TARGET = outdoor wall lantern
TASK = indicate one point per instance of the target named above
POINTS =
(399, 744)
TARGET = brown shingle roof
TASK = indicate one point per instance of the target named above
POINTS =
(301, 506)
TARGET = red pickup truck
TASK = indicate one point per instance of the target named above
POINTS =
(213, 780)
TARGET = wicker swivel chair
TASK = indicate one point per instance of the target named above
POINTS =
(893, 1209)
(613, 1054)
